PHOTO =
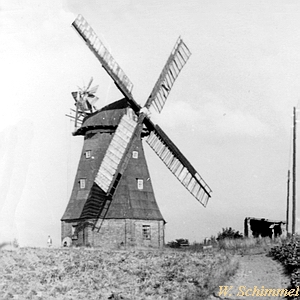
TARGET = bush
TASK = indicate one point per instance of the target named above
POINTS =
(289, 255)
(178, 243)
(229, 233)
(15, 243)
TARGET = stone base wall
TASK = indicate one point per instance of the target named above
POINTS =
(67, 229)
(115, 233)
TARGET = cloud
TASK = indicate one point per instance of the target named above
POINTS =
(33, 24)
(212, 118)
(34, 39)
(15, 159)
(175, 115)
(239, 123)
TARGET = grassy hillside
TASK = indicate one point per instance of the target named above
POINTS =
(29, 273)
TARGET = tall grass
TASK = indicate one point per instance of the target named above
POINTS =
(229, 248)
(86, 273)
(217, 276)
(249, 245)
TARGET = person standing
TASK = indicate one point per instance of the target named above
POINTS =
(49, 241)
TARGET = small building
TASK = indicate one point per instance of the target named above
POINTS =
(260, 227)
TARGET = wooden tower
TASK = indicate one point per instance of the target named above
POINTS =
(112, 202)
(134, 209)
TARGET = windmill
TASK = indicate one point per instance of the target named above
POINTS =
(112, 201)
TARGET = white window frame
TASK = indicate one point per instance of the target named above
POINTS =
(74, 233)
(88, 154)
(135, 154)
(140, 183)
(146, 231)
(82, 183)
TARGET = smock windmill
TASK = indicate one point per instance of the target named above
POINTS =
(112, 201)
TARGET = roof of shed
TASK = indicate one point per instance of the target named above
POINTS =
(265, 220)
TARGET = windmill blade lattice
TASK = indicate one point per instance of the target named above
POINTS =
(106, 59)
(176, 61)
(116, 156)
(178, 165)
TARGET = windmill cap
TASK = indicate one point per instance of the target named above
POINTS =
(107, 117)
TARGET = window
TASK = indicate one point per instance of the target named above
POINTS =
(74, 233)
(146, 232)
(135, 154)
(140, 184)
(87, 154)
(82, 183)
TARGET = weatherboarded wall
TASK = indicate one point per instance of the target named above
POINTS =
(115, 233)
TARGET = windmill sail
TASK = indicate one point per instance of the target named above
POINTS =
(158, 140)
(103, 55)
(178, 164)
(110, 185)
(116, 152)
(177, 59)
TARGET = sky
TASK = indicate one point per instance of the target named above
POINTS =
(230, 110)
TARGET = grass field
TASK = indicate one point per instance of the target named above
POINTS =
(78, 273)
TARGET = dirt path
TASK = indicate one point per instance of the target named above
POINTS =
(255, 270)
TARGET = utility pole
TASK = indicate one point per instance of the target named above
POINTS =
(294, 176)
(288, 204)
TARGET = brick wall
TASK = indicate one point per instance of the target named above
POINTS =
(128, 232)
(66, 230)
(116, 233)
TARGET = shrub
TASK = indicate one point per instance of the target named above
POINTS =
(229, 233)
(15, 243)
(178, 243)
(289, 255)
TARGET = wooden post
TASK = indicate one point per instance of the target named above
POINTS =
(288, 204)
(294, 176)
(76, 116)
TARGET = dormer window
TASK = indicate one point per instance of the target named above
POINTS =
(140, 184)
(135, 154)
(82, 182)
(88, 153)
